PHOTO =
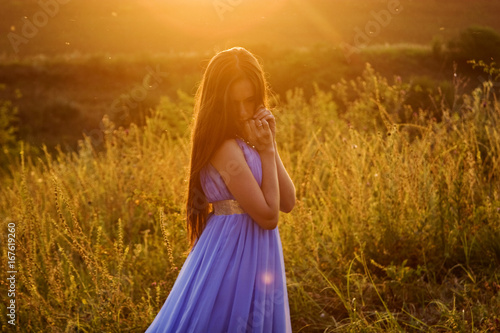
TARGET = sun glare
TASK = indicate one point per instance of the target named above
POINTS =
(214, 18)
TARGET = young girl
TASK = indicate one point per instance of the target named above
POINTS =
(233, 280)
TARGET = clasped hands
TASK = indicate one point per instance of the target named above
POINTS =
(260, 130)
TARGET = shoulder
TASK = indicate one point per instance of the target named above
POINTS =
(228, 155)
(229, 159)
(228, 148)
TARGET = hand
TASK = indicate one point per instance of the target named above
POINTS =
(263, 113)
(259, 134)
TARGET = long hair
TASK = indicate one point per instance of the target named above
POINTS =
(215, 121)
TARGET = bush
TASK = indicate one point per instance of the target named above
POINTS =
(475, 43)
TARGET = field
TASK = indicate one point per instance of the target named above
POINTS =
(396, 226)
(394, 152)
(66, 74)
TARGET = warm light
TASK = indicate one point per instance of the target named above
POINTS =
(214, 19)
(267, 278)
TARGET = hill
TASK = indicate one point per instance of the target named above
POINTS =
(147, 26)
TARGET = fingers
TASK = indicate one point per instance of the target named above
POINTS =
(260, 125)
(253, 126)
(268, 117)
(261, 112)
(257, 128)
(261, 108)
(265, 125)
(266, 136)
(271, 121)
(257, 122)
(263, 130)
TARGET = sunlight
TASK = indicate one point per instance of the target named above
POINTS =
(382, 161)
(319, 21)
(267, 278)
(208, 19)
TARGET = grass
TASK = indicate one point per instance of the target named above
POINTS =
(89, 54)
(63, 96)
(396, 226)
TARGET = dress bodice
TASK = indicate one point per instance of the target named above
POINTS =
(212, 181)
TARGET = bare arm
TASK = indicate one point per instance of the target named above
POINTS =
(261, 203)
(286, 187)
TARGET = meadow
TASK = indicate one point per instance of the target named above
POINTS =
(58, 98)
(394, 152)
(66, 73)
(396, 226)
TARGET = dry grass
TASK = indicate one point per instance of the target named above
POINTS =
(396, 227)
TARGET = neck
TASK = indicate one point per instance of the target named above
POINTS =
(244, 140)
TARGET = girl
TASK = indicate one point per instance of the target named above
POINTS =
(233, 279)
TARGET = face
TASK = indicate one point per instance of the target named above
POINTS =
(243, 100)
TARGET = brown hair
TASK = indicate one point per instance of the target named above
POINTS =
(215, 121)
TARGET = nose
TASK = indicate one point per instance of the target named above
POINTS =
(244, 111)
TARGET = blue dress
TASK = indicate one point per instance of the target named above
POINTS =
(233, 280)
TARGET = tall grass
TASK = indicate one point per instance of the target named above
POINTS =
(396, 227)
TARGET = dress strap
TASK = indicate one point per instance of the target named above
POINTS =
(227, 207)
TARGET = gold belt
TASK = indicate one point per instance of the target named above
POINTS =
(227, 207)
